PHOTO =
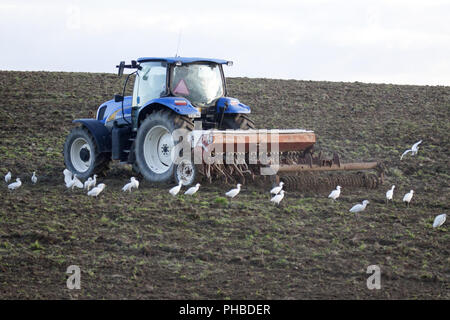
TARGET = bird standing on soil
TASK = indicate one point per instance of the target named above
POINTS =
(136, 182)
(414, 149)
(359, 207)
(234, 192)
(94, 181)
(277, 199)
(96, 190)
(277, 189)
(174, 191)
(69, 184)
(15, 185)
(132, 184)
(335, 193)
(67, 176)
(192, 190)
(8, 177)
(439, 220)
(390, 194)
(128, 187)
(34, 178)
(407, 197)
(75, 182)
(87, 183)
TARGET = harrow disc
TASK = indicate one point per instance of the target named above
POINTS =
(306, 181)
(299, 170)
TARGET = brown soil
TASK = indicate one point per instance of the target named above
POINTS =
(148, 245)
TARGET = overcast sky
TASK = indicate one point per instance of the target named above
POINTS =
(395, 41)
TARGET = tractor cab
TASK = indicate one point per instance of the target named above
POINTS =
(202, 83)
(194, 87)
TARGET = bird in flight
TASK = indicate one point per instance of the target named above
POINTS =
(414, 149)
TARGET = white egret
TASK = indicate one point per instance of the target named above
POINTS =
(390, 194)
(439, 220)
(69, 184)
(174, 191)
(15, 185)
(335, 193)
(234, 192)
(34, 178)
(128, 187)
(67, 176)
(407, 197)
(94, 181)
(192, 190)
(96, 190)
(277, 198)
(277, 189)
(136, 182)
(414, 149)
(132, 184)
(8, 177)
(75, 182)
(87, 183)
(359, 207)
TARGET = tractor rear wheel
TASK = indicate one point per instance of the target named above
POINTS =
(155, 147)
(237, 121)
(81, 155)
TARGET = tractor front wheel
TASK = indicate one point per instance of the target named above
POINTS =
(81, 154)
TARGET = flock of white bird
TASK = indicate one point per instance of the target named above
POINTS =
(438, 221)
(71, 180)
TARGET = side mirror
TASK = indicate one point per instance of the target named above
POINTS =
(118, 98)
(121, 66)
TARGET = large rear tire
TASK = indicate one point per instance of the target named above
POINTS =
(240, 121)
(155, 144)
(81, 155)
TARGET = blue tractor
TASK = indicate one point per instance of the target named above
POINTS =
(168, 94)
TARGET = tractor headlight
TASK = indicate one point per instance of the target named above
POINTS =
(195, 115)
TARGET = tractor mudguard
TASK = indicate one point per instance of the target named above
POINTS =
(101, 134)
(232, 106)
(177, 104)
